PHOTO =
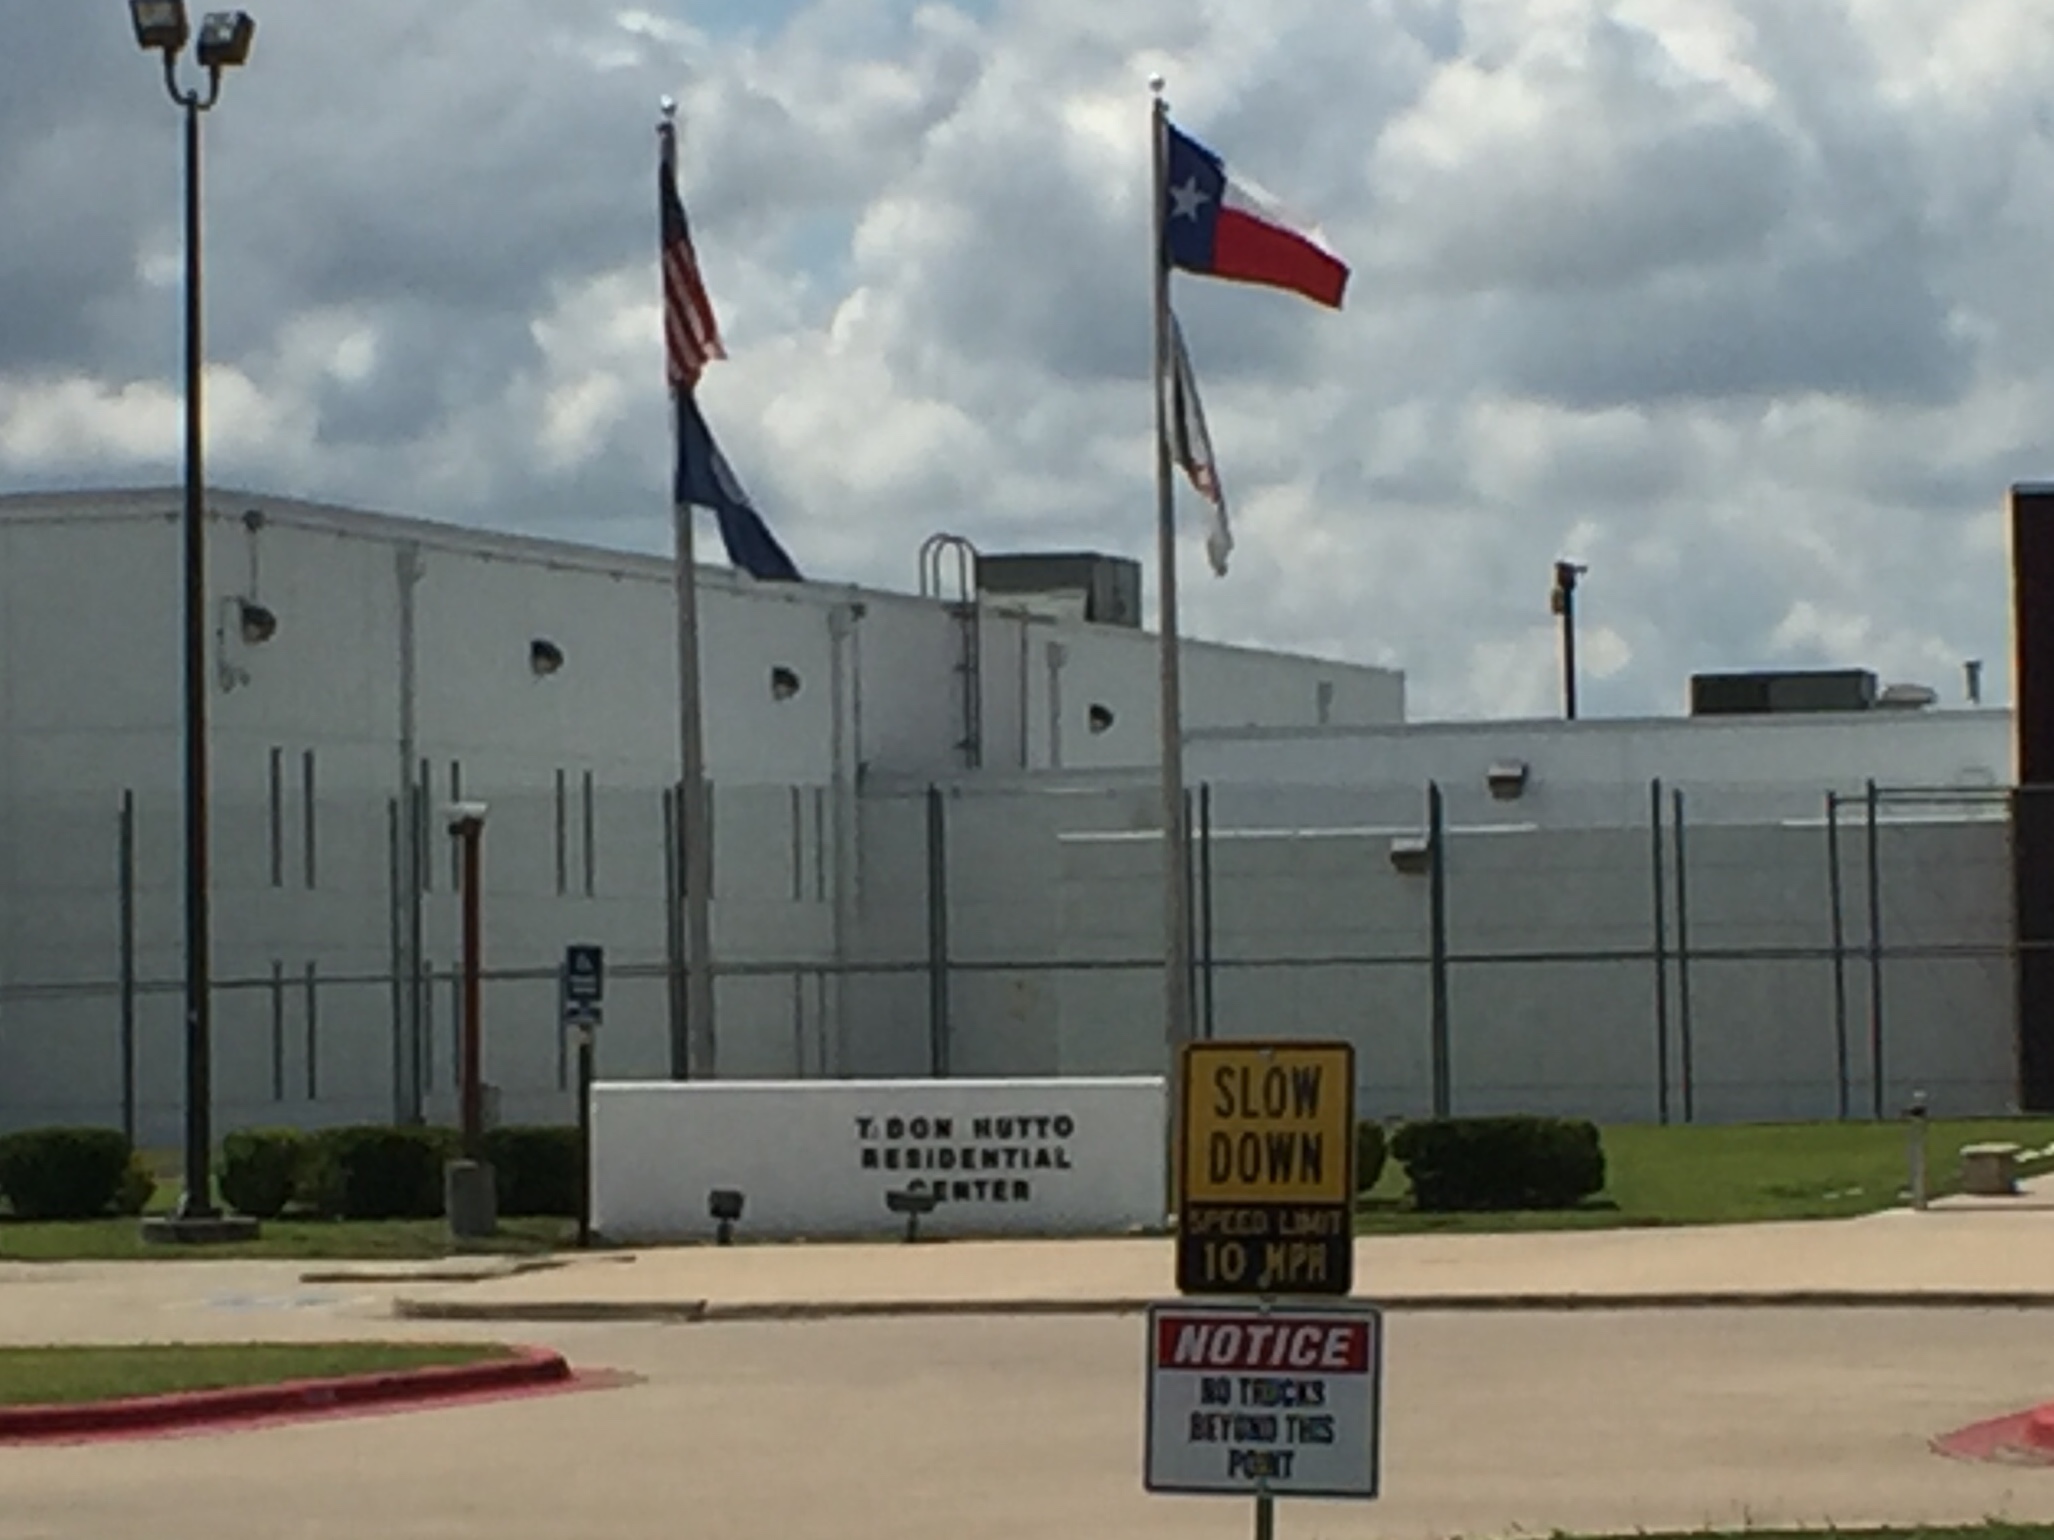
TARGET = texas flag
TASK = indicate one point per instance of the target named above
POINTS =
(1215, 225)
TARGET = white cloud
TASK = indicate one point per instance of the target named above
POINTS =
(1739, 301)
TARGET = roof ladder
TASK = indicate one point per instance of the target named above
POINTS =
(934, 572)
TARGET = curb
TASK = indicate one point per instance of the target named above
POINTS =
(400, 1272)
(528, 1366)
(662, 1312)
(698, 1311)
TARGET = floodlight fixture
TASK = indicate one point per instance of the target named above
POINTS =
(912, 1202)
(160, 24)
(724, 1206)
(225, 38)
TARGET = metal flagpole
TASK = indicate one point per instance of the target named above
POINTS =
(1177, 992)
(695, 1057)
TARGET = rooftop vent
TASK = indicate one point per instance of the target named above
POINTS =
(1908, 697)
(1105, 589)
(1782, 692)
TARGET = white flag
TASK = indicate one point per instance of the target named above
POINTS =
(1191, 447)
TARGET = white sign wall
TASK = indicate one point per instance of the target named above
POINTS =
(816, 1158)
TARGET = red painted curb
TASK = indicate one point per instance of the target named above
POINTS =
(2039, 1427)
(528, 1366)
(2022, 1438)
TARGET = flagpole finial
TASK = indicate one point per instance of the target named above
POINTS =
(1156, 84)
(669, 104)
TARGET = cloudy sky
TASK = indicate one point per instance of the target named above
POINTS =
(1749, 304)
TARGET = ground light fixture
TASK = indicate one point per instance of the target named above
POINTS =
(911, 1202)
(724, 1206)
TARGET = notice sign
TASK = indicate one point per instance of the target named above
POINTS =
(1287, 1401)
(1267, 1178)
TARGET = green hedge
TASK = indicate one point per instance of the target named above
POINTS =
(1370, 1154)
(537, 1170)
(64, 1173)
(371, 1171)
(1500, 1164)
(138, 1187)
(263, 1169)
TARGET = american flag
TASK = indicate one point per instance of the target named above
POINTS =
(1191, 448)
(691, 335)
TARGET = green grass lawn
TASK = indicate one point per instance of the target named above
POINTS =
(1655, 1176)
(366, 1240)
(48, 1375)
(324, 1240)
(1733, 1175)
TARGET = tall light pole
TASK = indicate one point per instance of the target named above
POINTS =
(224, 42)
(1563, 602)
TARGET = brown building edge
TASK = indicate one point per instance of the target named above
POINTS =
(2032, 800)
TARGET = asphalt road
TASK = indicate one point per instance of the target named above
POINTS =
(950, 1428)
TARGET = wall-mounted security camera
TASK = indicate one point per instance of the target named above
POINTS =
(544, 657)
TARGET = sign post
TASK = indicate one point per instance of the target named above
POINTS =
(1264, 1399)
(584, 990)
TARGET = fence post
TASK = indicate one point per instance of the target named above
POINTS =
(937, 933)
(395, 925)
(420, 1006)
(277, 1030)
(1843, 1097)
(1206, 1025)
(127, 880)
(1875, 894)
(1686, 1047)
(1437, 933)
(1661, 957)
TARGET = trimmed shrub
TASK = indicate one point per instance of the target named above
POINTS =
(536, 1170)
(1500, 1164)
(138, 1187)
(262, 1168)
(375, 1172)
(63, 1173)
(1370, 1153)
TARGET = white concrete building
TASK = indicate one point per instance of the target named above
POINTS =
(935, 850)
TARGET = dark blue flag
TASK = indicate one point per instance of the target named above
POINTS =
(704, 479)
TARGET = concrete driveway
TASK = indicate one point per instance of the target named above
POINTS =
(944, 1429)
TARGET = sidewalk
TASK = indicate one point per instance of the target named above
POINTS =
(1997, 1253)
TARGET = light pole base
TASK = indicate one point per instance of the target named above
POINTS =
(212, 1230)
(470, 1197)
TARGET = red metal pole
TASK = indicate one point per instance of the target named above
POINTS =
(473, 831)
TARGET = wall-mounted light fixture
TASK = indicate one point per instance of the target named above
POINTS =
(544, 657)
(257, 622)
(1507, 779)
(1411, 853)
